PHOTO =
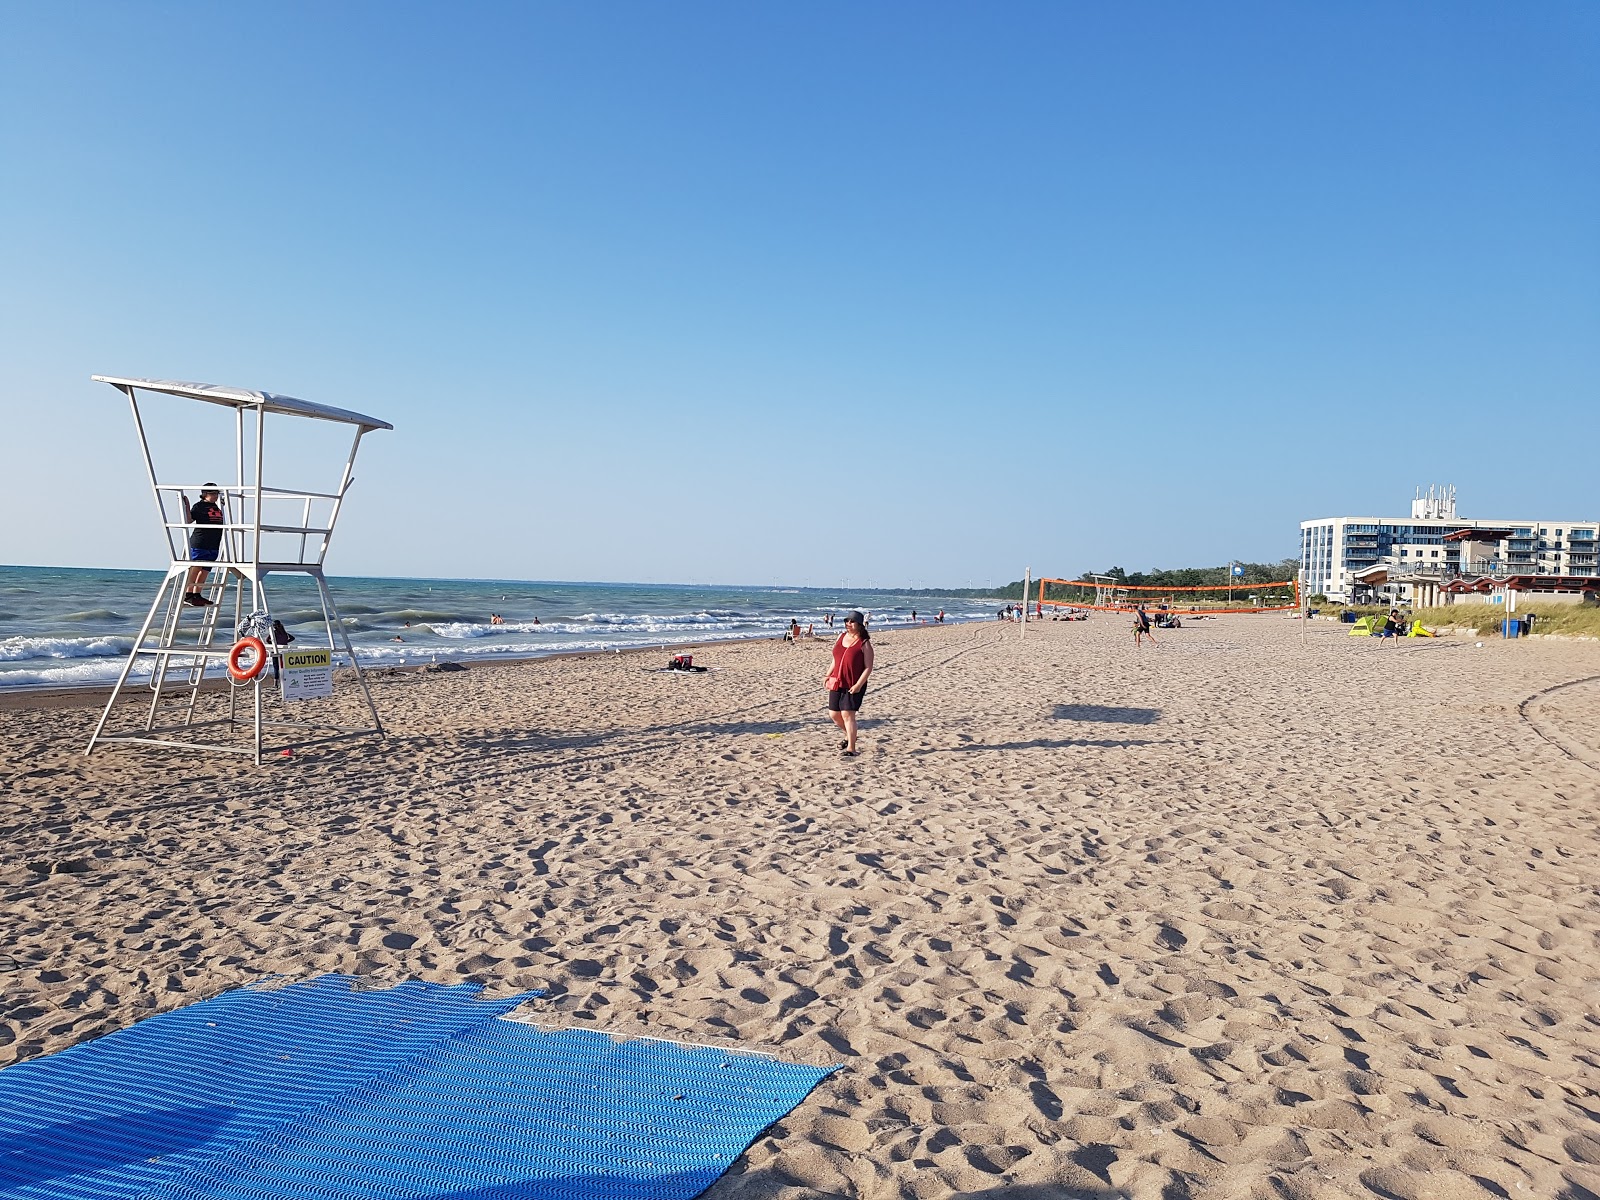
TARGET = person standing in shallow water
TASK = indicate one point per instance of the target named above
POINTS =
(847, 685)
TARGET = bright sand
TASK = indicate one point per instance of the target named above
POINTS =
(1222, 917)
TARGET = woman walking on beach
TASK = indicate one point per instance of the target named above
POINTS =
(847, 685)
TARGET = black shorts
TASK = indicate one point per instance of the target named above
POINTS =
(846, 701)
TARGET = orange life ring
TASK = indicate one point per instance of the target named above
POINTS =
(246, 674)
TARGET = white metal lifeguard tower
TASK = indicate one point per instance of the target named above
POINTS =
(265, 531)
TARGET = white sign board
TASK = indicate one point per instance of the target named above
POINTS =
(307, 674)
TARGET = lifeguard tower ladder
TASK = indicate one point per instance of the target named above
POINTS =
(257, 518)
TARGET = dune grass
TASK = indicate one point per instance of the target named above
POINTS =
(1568, 620)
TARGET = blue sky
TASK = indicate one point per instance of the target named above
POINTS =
(915, 293)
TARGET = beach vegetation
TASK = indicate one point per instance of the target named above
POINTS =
(1254, 575)
(1566, 620)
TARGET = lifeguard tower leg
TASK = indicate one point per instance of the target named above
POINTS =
(127, 667)
(328, 608)
(169, 635)
(255, 688)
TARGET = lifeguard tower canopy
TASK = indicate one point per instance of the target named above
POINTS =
(242, 398)
(216, 588)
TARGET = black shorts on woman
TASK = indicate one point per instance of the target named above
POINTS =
(844, 700)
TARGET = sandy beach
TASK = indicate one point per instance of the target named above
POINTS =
(1226, 917)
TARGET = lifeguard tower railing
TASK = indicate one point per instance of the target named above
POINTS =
(266, 530)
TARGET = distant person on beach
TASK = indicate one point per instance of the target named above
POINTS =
(1395, 625)
(1141, 626)
(913, 616)
(847, 684)
(941, 616)
(205, 543)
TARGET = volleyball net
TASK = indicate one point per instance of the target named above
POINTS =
(1105, 594)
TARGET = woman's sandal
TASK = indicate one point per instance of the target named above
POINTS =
(844, 745)
(848, 753)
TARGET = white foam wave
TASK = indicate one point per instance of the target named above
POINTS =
(692, 624)
(76, 675)
(420, 653)
(22, 649)
(705, 617)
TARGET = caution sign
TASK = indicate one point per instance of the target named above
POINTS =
(307, 674)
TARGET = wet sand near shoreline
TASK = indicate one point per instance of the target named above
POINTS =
(1220, 917)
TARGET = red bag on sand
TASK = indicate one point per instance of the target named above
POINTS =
(833, 683)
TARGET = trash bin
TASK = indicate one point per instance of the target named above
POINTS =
(1347, 617)
(1511, 627)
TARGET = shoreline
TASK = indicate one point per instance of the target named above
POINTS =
(30, 697)
(45, 649)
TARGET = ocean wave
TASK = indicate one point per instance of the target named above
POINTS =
(709, 617)
(413, 653)
(304, 616)
(467, 631)
(93, 614)
(78, 674)
(398, 616)
(23, 649)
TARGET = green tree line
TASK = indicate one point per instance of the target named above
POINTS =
(1254, 573)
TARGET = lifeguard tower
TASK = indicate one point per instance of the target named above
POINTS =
(265, 531)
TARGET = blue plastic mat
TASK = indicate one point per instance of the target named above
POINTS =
(327, 1091)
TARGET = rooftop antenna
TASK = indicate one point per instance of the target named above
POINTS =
(251, 549)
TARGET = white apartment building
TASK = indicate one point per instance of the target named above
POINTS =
(1434, 540)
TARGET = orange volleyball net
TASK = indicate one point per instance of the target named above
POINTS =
(1105, 594)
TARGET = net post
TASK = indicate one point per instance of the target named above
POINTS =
(1027, 580)
(1300, 607)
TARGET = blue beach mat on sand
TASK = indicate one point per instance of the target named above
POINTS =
(328, 1091)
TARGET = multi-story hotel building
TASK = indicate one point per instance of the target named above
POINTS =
(1339, 554)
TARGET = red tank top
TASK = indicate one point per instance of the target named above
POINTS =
(849, 662)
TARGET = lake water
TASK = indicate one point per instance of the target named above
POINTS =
(64, 626)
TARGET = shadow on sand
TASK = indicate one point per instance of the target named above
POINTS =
(1044, 744)
(1106, 714)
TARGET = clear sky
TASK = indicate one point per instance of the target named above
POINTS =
(914, 293)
